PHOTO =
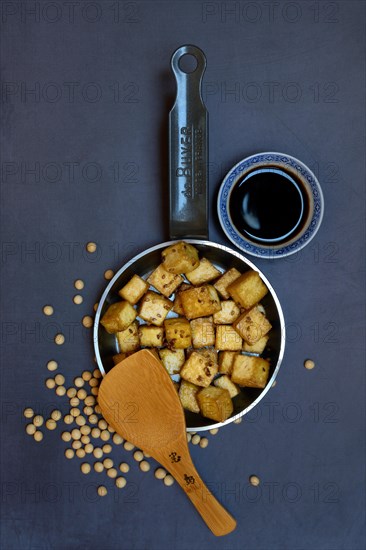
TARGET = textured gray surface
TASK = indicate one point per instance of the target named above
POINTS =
(288, 76)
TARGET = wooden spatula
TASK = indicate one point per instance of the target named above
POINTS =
(138, 398)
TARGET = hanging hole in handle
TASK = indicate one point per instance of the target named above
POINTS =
(188, 63)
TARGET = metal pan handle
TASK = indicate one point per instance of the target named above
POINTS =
(188, 150)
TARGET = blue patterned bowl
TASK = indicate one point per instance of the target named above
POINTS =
(286, 163)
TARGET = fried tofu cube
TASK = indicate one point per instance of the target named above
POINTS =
(178, 333)
(228, 314)
(118, 317)
(154, 308)
(163, 281)
(118, 358)
(199, 370)
(184, 286)
(204, 273)
(203, 332)
(187, 395)
(258, 347)
(225, 383)
(225, 280)
(227, 338)
(215, 403)
(200, 301)
(248, 289)
(252, 325)
(172, 359)
(134, 290)
(151, 336)
(128, 339)
(226, 361)
(250, 371)
(180, 258)
(178, 308)
(210, 354)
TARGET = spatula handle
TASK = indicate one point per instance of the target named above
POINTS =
(212, 512)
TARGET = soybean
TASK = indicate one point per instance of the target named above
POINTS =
(59, 339)
(144, 466)
(56, 415)
(85, 468)
(30, 429)
(91, 247)
(79, 284)
(87, 321)
(124, 467)
(254, 480)
(38, 420)
(102, 491)
(38, 436)
(160, 473)
(138, 455)
(28, 412)
(98, 467)
(51, 424)
(52, 365)
(168, 480)
(120, 482)
(50, 383)
(108, 463)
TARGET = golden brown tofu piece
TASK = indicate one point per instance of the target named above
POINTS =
(172, 359)
(178, 308)
(187, 395)
(151, 336)
(209, 353)
(180, 258)
(258, 347)
(250, 371)
(128, 339)
(134, 290)
(215, 403)
(118, 317)
(198, 370)
(252, 325)
(204, 273)
(225, 383)
(228, 314)
(163, 281)
(200, 301)
(226, 361)
(154, 308)
(225, 280)
(227, 338)
(203, 332)
(178, 333)
(248, 289)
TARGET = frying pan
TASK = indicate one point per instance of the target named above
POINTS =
(188, 167)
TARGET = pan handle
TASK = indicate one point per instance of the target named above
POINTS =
(188, 150)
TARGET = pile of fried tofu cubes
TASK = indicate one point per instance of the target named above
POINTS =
(214, 327)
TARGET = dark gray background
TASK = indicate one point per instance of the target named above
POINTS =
(297, 69)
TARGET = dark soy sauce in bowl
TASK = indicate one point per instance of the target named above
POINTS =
(268, 205)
